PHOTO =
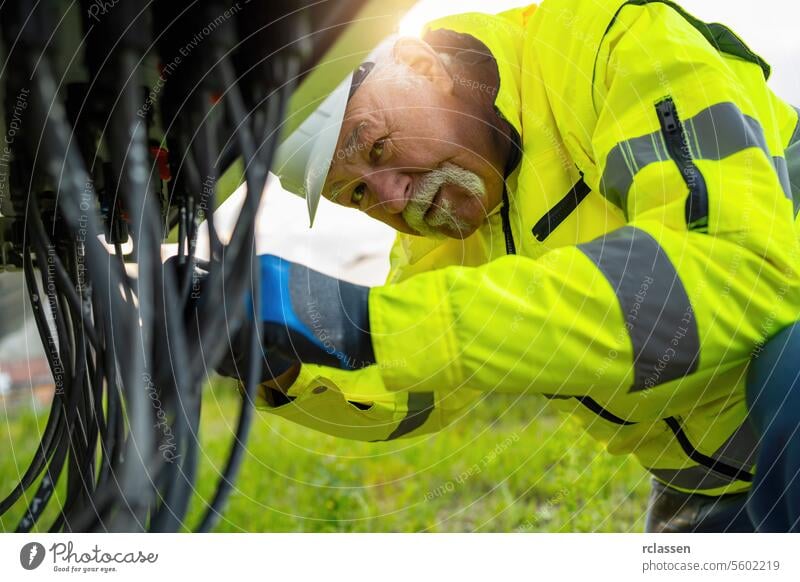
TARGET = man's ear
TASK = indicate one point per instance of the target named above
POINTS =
(418, 54)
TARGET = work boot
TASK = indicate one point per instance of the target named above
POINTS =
(672, 511)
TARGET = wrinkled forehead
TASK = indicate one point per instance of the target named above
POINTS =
(362, 117)
(370, 104)
(362, 112)
(375, 86)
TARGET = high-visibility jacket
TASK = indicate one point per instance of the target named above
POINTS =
(646, 248)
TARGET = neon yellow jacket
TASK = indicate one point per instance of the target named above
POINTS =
(640, 123)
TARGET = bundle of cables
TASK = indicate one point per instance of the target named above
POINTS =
(124, 130)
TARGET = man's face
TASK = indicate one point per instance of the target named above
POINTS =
(413, 153)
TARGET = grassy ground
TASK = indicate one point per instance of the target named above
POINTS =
(494, 471)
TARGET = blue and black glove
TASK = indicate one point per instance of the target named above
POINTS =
(306, 317)
(313, 318)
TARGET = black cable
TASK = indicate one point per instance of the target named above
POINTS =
(128, 152)
(245, 421)
(121, 257)
(55, 420)
(105, 278)
(128, 356)
(227, 290)
(44, 493)
(62, 279)
(170, 375)
(83, 465)
(106, 370)
(274, 114)
(80, 463)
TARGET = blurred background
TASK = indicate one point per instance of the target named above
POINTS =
(505, 466)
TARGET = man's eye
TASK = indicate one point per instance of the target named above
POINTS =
(377, 151)
(358, 194)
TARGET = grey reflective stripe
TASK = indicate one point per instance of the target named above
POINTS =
(792, 155)
(739, 450)
(625, 160)
(721, 131)
(420, 406)
(783, 177)
(796, 135)
(713, 134)
(657, 310)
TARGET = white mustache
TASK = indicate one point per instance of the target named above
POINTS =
(443, 215)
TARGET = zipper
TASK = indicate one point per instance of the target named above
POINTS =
(705, 460)
(513, 161)
(511, 248)
(559, 213)
(696, 210)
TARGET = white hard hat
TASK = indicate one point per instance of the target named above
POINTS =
(303, 159)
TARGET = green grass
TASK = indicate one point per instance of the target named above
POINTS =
(495, 470)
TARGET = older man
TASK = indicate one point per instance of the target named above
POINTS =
(593, 203)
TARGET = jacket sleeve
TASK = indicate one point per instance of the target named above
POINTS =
(356, 404)
(707, 266)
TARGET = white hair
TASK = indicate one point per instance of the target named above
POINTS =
(387, 67)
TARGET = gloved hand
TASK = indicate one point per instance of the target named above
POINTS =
(314, 318)
(234, 363)
(305, 317)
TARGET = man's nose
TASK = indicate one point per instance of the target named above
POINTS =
(391, 190)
